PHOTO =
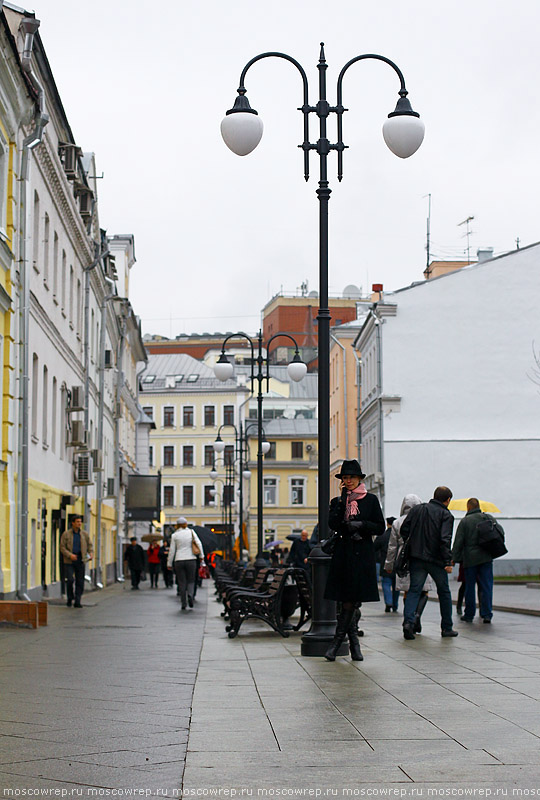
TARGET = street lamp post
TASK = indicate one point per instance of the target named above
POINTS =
(223, 370)
(403, 132)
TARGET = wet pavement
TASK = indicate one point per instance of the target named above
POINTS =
(118, 699)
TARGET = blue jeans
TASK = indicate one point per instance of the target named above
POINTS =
(391, 594)
(419, 570)
(483, 574)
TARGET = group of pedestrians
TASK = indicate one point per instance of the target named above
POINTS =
(418, 543)
(154, 559)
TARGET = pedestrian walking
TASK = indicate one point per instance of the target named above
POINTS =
(477, 563)
(183, 559)
(300, 550)
(428, 530)
(136, 562)
(76, 548)
(355, 517)
(163, 556)
(154, 565)
(395, 544)
(388, 579)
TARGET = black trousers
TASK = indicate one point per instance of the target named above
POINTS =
(74, 572)
(135, 577)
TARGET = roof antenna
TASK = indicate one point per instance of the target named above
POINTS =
(468, 235)
(428, 230)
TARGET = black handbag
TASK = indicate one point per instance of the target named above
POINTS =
(491, 537)
(328, 546)
(401, 564)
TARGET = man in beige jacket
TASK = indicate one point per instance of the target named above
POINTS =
(76, 547)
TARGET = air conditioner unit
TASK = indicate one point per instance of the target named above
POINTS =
(109, 264)
(85, 204)
(83, 469)
(77, 434)
(97, 460)
(76, 399)
(108, 360)
(111, 487)
(70, 153)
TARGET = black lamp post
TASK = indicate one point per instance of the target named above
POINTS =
(223, 370)
(403, 132)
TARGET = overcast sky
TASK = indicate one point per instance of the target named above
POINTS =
(145, 86)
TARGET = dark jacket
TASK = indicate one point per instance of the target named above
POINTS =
(429, 527)
(299, 551)
(466, 549)
(135, 558)
(381, 547)
(352, 576)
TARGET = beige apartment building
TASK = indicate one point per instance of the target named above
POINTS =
(345, 368)
(188, 404)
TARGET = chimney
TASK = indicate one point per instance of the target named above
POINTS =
(376, 292)
(484, 254)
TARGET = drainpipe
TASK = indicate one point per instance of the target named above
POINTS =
(358, 400)
(345, 402)
(118, 455)
(378, 323)
(101, 408)
(29, 27)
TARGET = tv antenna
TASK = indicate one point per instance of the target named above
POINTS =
(468, 233)
(428, 230)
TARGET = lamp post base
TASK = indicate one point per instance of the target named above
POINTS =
(323, 627)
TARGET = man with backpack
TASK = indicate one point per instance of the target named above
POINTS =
(476, 559)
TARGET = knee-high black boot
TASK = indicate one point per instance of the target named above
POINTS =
(354, 642)
(419, 608)
(343, 623)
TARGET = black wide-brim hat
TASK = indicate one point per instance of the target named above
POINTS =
(350, 468)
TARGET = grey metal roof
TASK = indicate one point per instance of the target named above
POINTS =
(306, 389)
(290, 427)
(163, 365)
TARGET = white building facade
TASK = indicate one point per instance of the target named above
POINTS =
(449, 398)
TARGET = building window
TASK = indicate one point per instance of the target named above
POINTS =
(36, 243)
(187, 460)
(168, 456)
(228, 455)
(168, 416)
(228, 494)
(297, 449)
(168, 495)
(151, 456)
(208, 455)
(149, 411)
(188, 417)
(209, 499)
(270, 491)
(187, 496)
(35, 373)
(209, 416)
(228, 415)
(271, 454)
(45, 407)
(297, 491)
(46, 233)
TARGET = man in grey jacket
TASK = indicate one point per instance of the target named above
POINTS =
(428, 526)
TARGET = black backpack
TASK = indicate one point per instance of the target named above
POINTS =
(491, 537)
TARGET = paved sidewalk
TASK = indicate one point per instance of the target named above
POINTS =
(449, 716)
(101, 698)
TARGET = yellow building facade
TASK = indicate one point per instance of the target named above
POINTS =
(290, 488)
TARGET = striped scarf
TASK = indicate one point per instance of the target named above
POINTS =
(351, 509)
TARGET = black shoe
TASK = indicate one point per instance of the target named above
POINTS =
(387, 609)
(77, 605)
(487, 620)
(459, 610)
(417, 624)
(449, 633)
(69, 603)
(466, 619)
(184, 607)
(190, 601)
(408, 632)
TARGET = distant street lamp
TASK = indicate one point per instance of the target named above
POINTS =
(223, 370)
(403, 132)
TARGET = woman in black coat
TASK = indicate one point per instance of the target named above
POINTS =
(356, 517)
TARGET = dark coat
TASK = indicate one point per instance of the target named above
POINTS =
(135, 558)
(381, 547)
(466, 549)
(429, 526)
(352, 576)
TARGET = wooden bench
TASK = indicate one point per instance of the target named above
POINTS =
(265, 606)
